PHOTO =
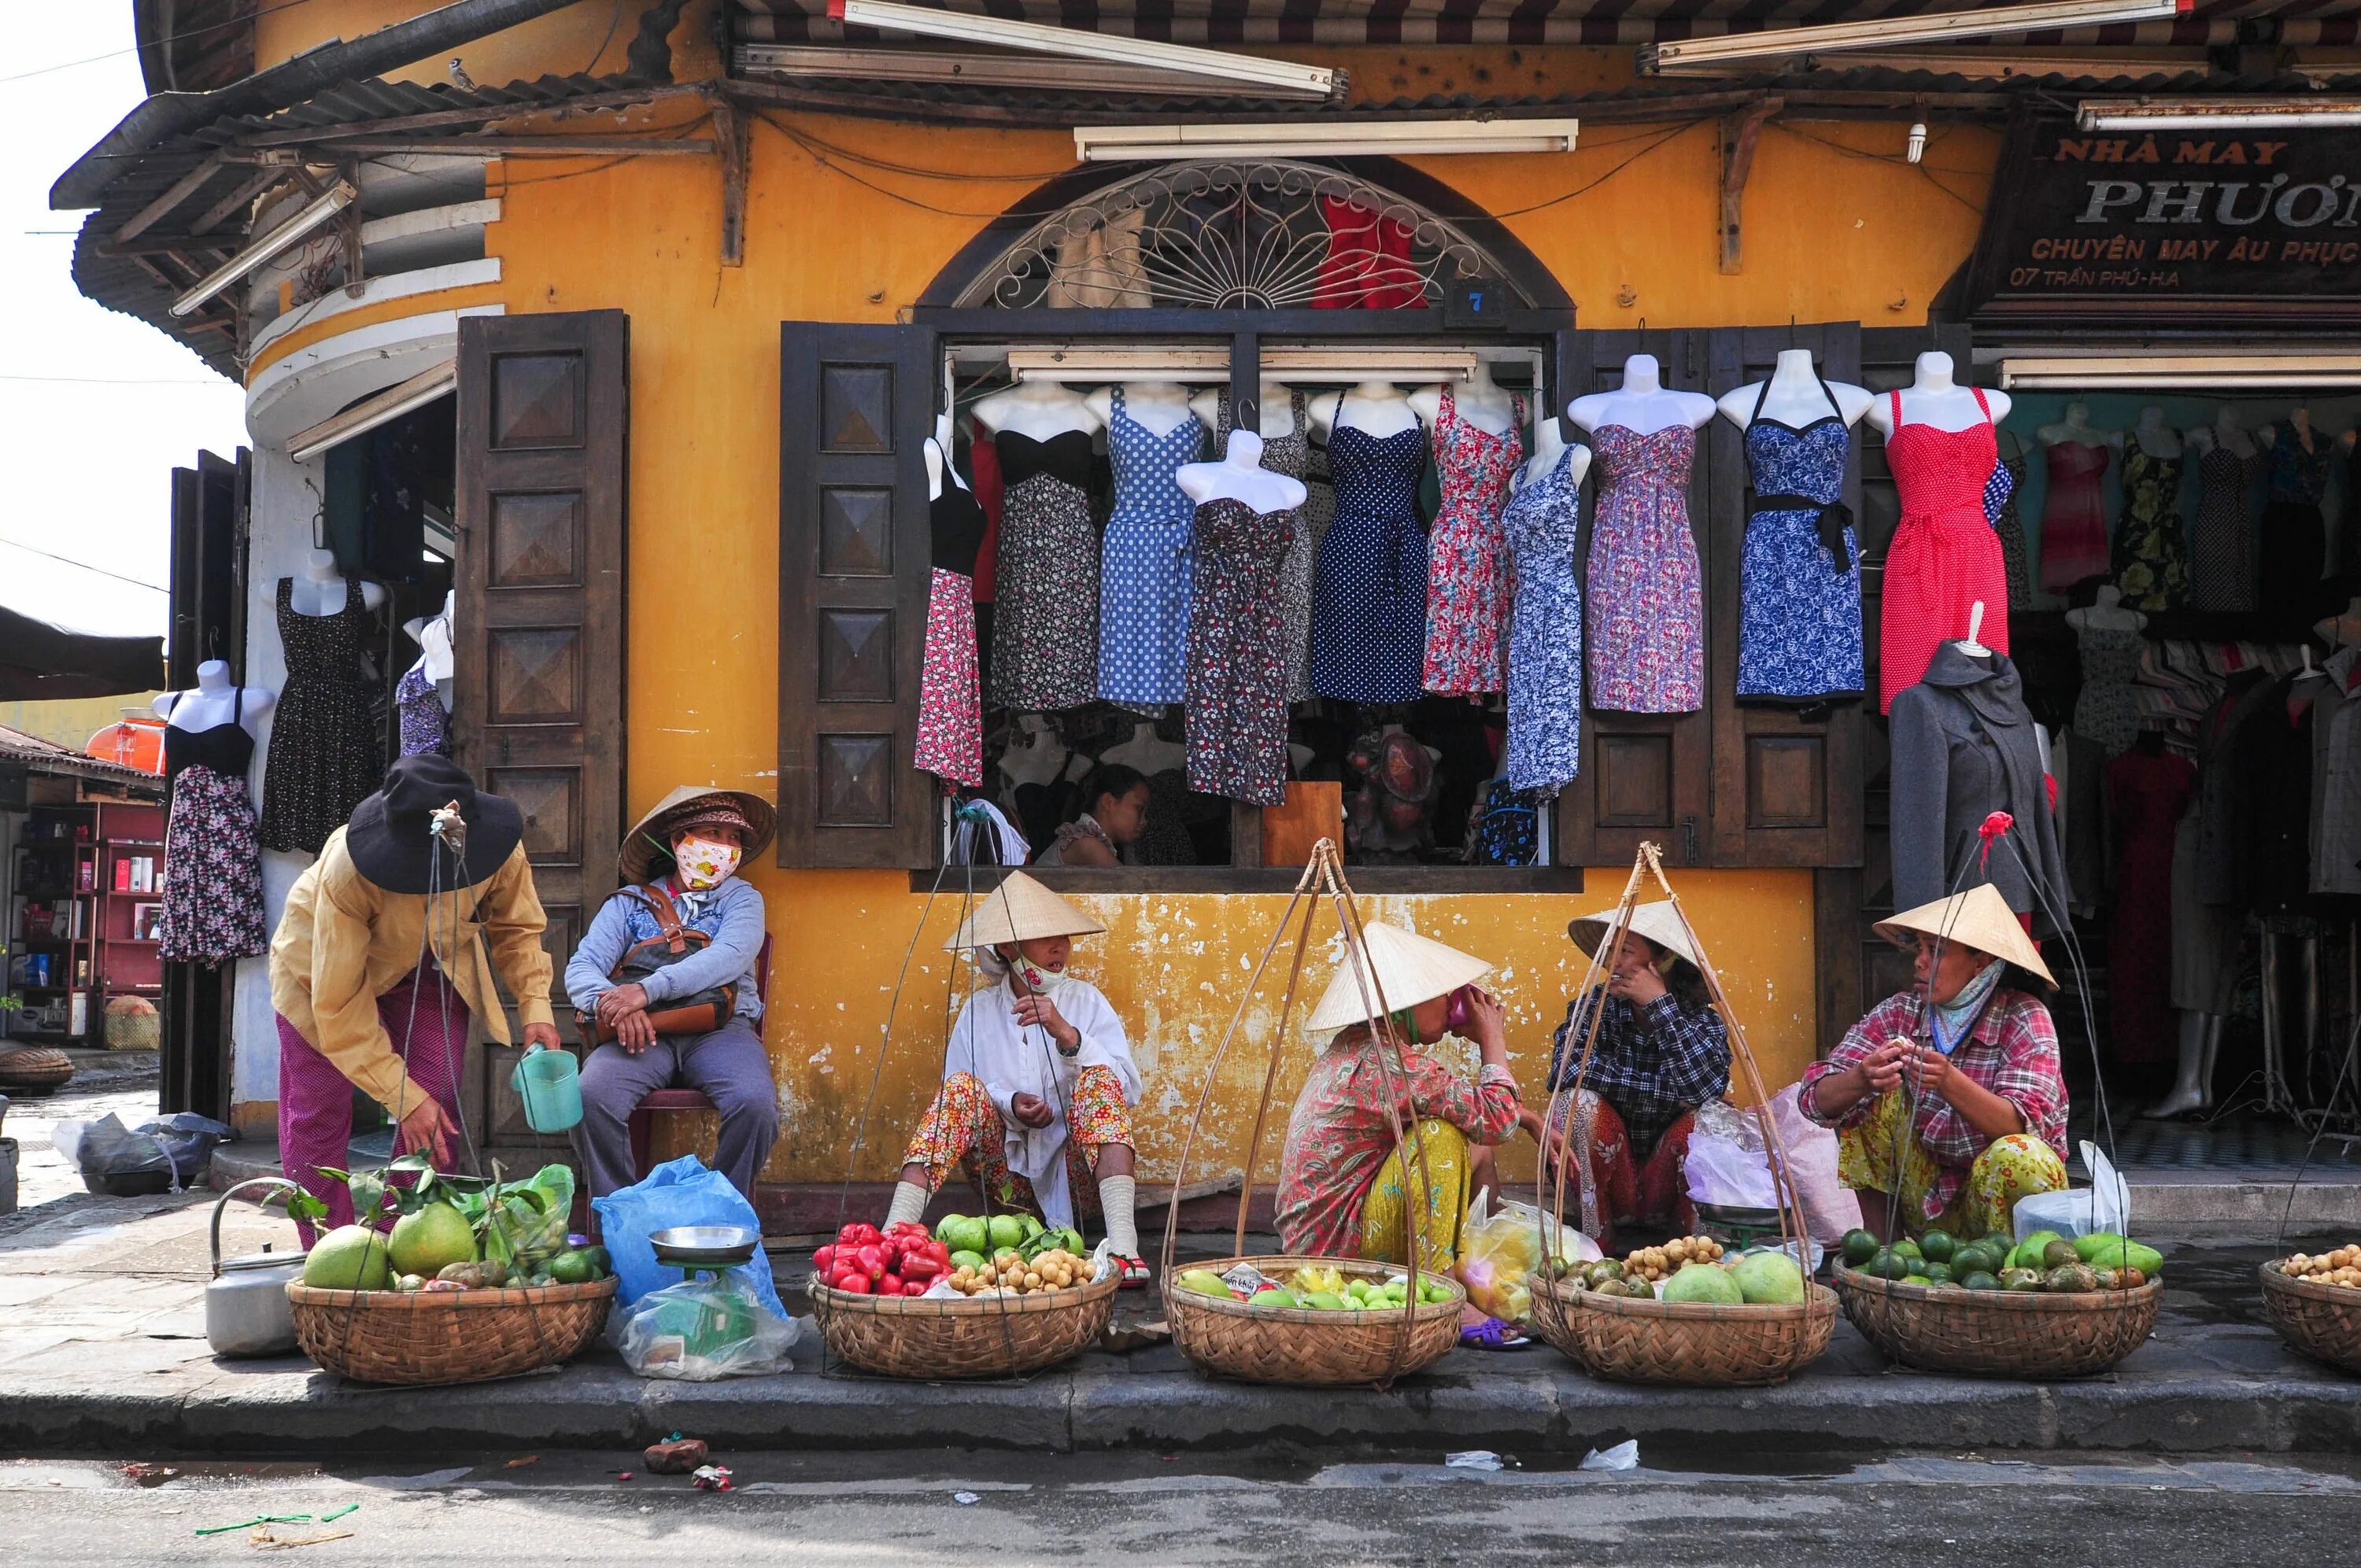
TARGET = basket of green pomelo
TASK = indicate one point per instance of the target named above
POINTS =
(1311, 1322)
(1732, 1321)
(2046, 1306)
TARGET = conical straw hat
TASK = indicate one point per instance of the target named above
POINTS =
(1979, 918)
(1019, 910)
(1659, 922)
(1408, 969)
(647, 837)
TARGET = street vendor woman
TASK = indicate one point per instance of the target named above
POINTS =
(683, 856)
(1662, 1051)
(1972, 1047)
(1341, 1187)
(375, 983)
(1037, 1081)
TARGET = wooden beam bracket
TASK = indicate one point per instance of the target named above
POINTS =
(1740, 134)
(732, 130)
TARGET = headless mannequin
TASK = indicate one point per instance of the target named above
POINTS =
(1374, 407)
(1480, 402)
(2077, 430)
(2342, 630)
(1239, 476)
(938, 452)
(215, 701)
(2299, 421)
(2225, 433)
(1549, 444)
(1040, 758)
(1935, 399)
(320, 590)
(1158, 407)
(434, 639)
(1969, 645)
(2107, 614)
(1274, 409)
(1793, 395)
(2156, 438)
(1641, 405)
(1146, 752)
(1037, 409)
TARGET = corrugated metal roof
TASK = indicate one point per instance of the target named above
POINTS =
(44, 757)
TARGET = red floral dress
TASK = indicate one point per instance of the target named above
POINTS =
(1468, 589)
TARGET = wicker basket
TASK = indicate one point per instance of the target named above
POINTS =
(1309, 1347)
(987, 1336)
(423, 1338)
(2321, 1320)
(2000, 1334)
(1629, 1339)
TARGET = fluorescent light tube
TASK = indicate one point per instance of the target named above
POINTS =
(1887, 31)
(859, 63)
(1089, 363)
(2216, 113)
(1103, 144)
(257, 252)
(383, 409)
(1310, 80)
(2167, 371)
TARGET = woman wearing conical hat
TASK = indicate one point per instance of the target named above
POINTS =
(1946, 1099)
(1037, 1081)
(1342, 1191)
(1662, 1051)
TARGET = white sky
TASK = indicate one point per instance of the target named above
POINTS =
(96, 410)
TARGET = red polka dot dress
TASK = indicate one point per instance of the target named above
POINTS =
(1945, 555)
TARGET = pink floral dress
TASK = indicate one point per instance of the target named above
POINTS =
(1468, 587)
(1647, 597)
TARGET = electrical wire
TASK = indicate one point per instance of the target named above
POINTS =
(1666, 139)
(68, 560)
(153, 43)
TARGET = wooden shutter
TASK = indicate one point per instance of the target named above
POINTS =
(538, 712)
(1644, 776)
(855, 403)
(1786, 787)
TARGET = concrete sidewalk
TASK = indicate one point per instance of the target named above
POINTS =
(102, 1349)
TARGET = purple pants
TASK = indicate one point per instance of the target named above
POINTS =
(315, 1101)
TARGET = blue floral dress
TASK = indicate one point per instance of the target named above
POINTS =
(1237, 653)
(1799, 611)
(1543, 524)
(1144, 561)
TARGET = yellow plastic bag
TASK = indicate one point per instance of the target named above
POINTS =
(1500, 1248)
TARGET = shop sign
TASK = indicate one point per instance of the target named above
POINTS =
(2169, 228)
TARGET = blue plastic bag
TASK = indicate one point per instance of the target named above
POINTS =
(681, 1193)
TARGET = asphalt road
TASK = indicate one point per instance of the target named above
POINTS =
(966, 1509)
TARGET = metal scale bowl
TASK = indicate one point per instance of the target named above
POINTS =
(705, 1249)
(705, 1322)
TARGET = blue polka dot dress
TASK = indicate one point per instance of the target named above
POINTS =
(1144, 561)
(1368, 598)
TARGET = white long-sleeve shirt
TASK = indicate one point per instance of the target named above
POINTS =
(1011, 1059)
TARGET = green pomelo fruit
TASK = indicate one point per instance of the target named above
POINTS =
(1006, 1231)
(943, 1227)
(968, 1259)
(1703, 1282)
(431, 1240)
(350, 1257)
(1769, 1278)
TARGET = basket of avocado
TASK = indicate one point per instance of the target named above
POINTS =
(2314, 1301)
(2046, 1308)
(1311, 1322)
(1688, 1313)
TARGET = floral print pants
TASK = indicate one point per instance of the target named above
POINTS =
(1385, 1214)
(963, 1127)
(2008, 1169)
(1616, 1185)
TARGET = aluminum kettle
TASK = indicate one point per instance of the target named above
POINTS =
(246, 1304)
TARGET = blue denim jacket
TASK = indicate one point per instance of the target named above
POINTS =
(731, 915)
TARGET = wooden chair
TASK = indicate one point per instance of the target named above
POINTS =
(642, 1123)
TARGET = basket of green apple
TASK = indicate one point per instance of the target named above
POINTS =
(2044, 1307)
(1311, 1321)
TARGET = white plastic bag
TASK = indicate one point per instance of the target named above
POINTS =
(1721, 1171)
(703, 1330)
(2104, 1205)
(1831, 1208)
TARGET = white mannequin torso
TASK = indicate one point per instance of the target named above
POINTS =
(1479, 400)
(1042, 757)
(1274, 414)
(2230, 435)
(215, 701)
(1239, 476)
(1037, 409)
(1935, 399)
(318, 590)
(434, 653)
(2076, 429)
(1548, 447)
(1158, 407)
(1795, 396)
(1374, 407)
(2107, 614)
(1641, 405)
(2155, 438)
(1146, 752)
(2299, 421)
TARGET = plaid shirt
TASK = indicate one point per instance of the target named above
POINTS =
(1654, 1063)
(2012, 1051)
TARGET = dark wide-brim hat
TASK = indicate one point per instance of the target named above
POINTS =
(390, 837)
(696, 805)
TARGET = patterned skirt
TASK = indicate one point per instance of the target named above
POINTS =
(213, 872)
(950, 697)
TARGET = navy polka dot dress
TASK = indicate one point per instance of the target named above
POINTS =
(1368, 600)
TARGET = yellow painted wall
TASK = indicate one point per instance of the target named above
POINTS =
(848, 220)
(73, 721)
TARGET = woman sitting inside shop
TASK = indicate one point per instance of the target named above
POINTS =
(1114, 811)
(1037, 1082)
(1662, 1050)
(1947, 1098)
(1342, 1188)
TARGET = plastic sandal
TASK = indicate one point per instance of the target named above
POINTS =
(1494, 1334)
(1135, 1273)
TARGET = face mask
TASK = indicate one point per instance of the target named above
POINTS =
(703, 864)
(1046, 982)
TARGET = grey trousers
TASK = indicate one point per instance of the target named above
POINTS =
(729, 1065)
